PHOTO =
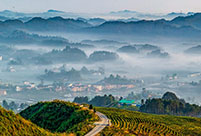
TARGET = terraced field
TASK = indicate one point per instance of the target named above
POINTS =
(125, 122)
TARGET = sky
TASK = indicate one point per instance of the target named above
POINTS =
(101, 6)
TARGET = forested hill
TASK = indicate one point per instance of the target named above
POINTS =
(60, 116)
(170, 104)
(15, 125)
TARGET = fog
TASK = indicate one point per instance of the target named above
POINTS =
(154, 69)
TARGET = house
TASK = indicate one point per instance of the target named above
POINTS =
(195, 74)
(32, 85)
(171, 77)
(11, 69)
(3, 92)
(18, 88)
(26, 83)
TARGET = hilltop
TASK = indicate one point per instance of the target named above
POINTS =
(61, 116)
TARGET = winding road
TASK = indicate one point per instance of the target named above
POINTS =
(104, 121)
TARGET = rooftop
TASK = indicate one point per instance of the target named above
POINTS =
(127, 101)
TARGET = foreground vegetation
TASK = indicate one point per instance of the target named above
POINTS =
(61, 116)
(65, 118)
(15, 125)
(134, 123)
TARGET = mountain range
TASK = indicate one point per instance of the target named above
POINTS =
(41, 24)
(139, 15)
(109, 16)
(181, 27)
(50, 13)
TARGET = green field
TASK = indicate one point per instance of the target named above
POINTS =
(133, 123)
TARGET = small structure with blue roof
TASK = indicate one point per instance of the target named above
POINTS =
(127, 102)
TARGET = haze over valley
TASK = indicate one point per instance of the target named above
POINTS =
(100, 68)
(43, 52)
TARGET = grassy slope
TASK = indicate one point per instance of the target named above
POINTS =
(60, 116)
(187, 126)
(15, 125)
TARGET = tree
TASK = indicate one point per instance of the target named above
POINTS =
(13, 105)
(170, 104)
(90, 106)
(23, 105)
(5, 104)
(169, 96)
(46, 71)
(81, 100)
(102, 101)
(142, 101)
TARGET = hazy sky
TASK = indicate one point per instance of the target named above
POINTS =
(97, 6)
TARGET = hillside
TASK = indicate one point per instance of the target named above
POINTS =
(193, 21)
(146, 29)
(68, 54)
(60, 116)
(180, 27)
(15, 125)
(133, 123)
(196, 50)
(41, 24)
(24, 38)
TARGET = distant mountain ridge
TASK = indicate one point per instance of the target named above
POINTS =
(188, 27)
(47, 14)
(41, 24)
(193, 21)
(114, 14)
(180, 27)
(146, 28)
(140, 16)
(196, 50)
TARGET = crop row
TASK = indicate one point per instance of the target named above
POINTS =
(138, 125)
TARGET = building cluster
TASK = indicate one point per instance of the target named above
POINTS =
(98, 87)
(195, 74)
(63, 87)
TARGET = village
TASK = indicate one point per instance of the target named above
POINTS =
(68, 90)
